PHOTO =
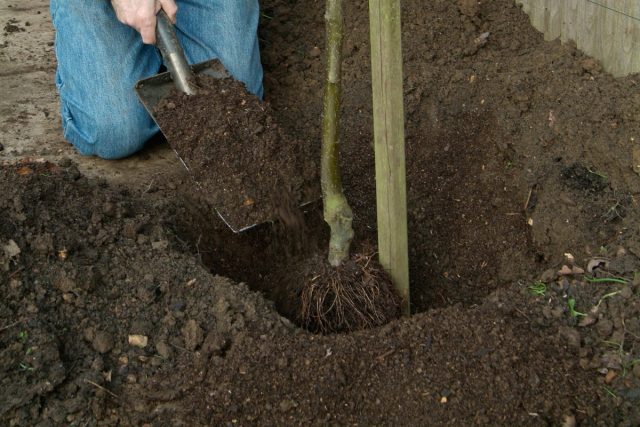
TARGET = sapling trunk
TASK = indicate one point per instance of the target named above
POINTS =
(337, 212)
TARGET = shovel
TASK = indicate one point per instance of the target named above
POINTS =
(181, 76)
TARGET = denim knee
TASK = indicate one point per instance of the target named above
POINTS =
(107, 136)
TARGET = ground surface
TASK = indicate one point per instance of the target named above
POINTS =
(520, 152)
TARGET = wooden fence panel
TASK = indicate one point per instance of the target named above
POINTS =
(608, 30)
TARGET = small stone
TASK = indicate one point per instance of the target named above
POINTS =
(565, 271)
(577, 270)
(88, 334)
(286, 405)
(590, 65)
(315, 52)
(11, 249)
(589, 320)
(131, 379)
(163, 350)
(193, 335)
(102, 342)
(160, 245)
(139, 341)
(569, 421)
(611, 375)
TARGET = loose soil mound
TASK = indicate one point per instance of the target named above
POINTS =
(236, 153)
(106, 320)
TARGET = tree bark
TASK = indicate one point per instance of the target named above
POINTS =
(337, 212)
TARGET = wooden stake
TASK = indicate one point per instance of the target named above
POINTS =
(388, 124)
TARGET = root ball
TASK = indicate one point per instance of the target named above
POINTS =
(356, 295)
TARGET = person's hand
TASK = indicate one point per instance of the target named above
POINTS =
(141, 15)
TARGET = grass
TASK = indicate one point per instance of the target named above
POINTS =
(538, 288)
(627, 365)
(25, 368)
(606, 280)
(604, 297)
(596, 173)
(23, 336)
(572, 309)
(610, 392)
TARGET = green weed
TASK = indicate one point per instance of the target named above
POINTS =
(610, 392)
(604, 297)
(538, 288)
(596, 173)
(23, 336)
(606, 280)
(25, 368)
(572, 309)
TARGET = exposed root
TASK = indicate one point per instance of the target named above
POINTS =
(356, 295)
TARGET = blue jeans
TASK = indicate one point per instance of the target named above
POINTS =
(100, 60)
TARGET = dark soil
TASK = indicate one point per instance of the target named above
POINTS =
(490, 129)
(236, 153)
(524, 241)
(107, 320)
(11, 27)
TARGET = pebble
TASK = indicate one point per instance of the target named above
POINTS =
(286, 405)
(565, 271)
(139, 341)
(569, 421)
(163, 349)
(193, 335)
(160, 245)
(611, 375)
(11, 249)
(102, 342)
(315, 52)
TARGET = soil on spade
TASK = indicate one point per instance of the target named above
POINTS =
(115, 309)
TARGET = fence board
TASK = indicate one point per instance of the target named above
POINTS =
(608, 30)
